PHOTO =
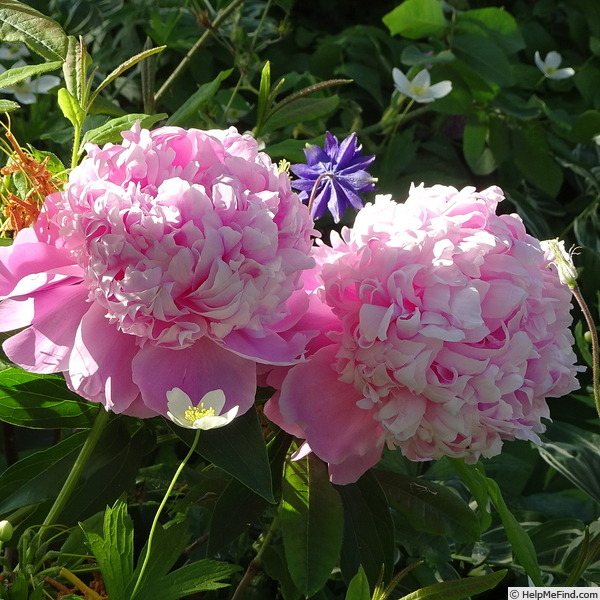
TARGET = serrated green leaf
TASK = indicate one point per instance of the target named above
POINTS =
(113, 549)
(311, 523)
(300, 111)
(187, 114)
(239, 449)
(199, 576)
(22, 23)
(42, 402)
(458, 589)
(75, 69)
(70, 107)
(111, 130)
(430, 507)
(17, 74)
(368, 530)
(415, 19)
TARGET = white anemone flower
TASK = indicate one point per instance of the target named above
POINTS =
(549, 66)
(420, 88)
(13, 51)
(206, 415)
(25, 91)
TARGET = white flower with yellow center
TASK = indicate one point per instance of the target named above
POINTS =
(549, 66)
(207, 413)
(420, 88)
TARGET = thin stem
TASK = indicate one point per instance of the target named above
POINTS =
(595, 351)
(255, 564)
(192, 449)
(76, 145)
(201, 41)
(75, 473)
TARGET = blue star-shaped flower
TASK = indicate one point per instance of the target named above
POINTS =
(333, 177)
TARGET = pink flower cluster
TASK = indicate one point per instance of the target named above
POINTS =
(171, 260)
(447, 328)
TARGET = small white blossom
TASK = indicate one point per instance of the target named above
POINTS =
(206, 415)
(26, 90)
(549, 66)
(555, 251)
(420, 88)
(13, 51)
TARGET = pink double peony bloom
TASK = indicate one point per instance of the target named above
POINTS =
(171, 260)
(444, 328)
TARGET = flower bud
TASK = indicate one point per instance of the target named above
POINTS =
(6, 531)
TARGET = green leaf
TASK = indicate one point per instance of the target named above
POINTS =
(415, 19)
(111, 130)
(477, 154)
(274, 565)
(124, 67)
(430, 507)
(21, 23)
(311, 523)
(8, 105)
(497, 23)
(520, 542)
(532, 157)
(75, 69)
(413, 56)
(12, 76)
(300, 110)
(199, 576)
(70, 108)
(368, 530)
(358, 589)
(263, 94)
(114, 549)
(457, 589)
(238, 505)
(485, 57)
(39, 476)
(239, 449)
(187, 114)
(475, 481)
(42, 402)
(573, 452)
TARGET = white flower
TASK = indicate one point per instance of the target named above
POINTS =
(25, 90)
(13, 51)
(549, 66)
(420, 88)
(556, 253)
(206, 415)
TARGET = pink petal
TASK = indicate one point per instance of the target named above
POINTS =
(337, 430)
(196, 370)
(100, 364)
(44, 347)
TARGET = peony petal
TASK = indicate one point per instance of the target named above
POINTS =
(197, 370)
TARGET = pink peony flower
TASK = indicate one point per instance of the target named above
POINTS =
(447, 329)
(171, 260)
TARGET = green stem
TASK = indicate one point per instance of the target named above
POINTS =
(77, 469)
(201, 41)
(192, 449)
(76, 145)
(595, 349)
(255, 564)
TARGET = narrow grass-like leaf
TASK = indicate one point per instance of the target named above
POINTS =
(131, 62)
(458, 589)
(22, 23)
(311, 523)
(521, 543)
(17, 74)
(475, 481)
(111, 130)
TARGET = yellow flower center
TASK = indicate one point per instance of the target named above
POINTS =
(193, 413)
